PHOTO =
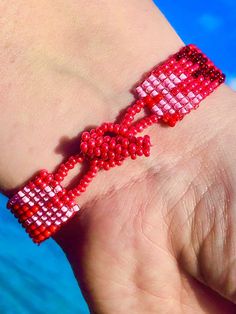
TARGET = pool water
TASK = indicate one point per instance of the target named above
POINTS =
(38, 279)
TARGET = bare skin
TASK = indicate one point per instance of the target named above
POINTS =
(158, 234)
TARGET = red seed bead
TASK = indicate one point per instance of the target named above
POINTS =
(52, 228)
(140, 102)
(61, 193)
(71, 203)
(28, 214)
(34, 208)
(139, 140)
(84, 147)
(53, 183)
(138, 108)
(119, 162)
(99, 132)
(146, 138)
(48, 178)
(76, 192)
(146, 152)
(172, 122)
(80, 159)
(40, 238)
(65, 199)
(91, 143)
(55, 200)
(112, 144)
(106, 138)
(47, 234)
(71, 195)
(99, 141)
(132, 148)
(92, 174)
(87, 178)
(110, 127)
(175, 91)
(139, 152)
(131, 111)
(106, 166)
(58, 178)
(149, 101)
(35, 232)
(112, 163)
(111, 155)
(15, 207)
(104, 147)
(154, 118)
(43, 173)
(125, 143)
(90, 152)
(119, 139)
(82, 188)
(118, 149)
(60, 204)
(41, 228)
(94, 168)
(116, 128)
(84, 183)
(25, 208)
(123, 129)
(125, 152)
(158, 98)
(85, 136)
(72, 160)
(97, 151)
(149, 121)
(62, 173)
(43, 185)
(22, 218)
(104, 127)
(94, 135)
(104, 156)
(38, 181)
(32, 226)
(49, 204)
(139, 128)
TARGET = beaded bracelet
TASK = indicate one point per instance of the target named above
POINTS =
(171, 90)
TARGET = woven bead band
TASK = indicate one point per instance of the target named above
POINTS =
(178, 85)
(171, 90)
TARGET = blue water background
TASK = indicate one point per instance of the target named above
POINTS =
(38, 280)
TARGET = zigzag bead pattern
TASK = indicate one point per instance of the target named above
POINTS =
(42, 206)
(178, 85)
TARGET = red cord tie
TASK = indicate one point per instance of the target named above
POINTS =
(170, 91)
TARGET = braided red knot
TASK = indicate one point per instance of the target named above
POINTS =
(109, 145)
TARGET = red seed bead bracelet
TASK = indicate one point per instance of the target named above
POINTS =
(171, 90)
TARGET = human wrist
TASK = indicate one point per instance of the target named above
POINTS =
(110, 75)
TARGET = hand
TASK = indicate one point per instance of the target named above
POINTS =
(140, 244)
(148, 229)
